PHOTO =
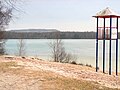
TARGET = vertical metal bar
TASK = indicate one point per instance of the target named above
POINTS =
(97, 46)
(110, 46)
(104, 49)
(117, 50)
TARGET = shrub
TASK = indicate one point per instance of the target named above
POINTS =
(73, 62)
(81, 64)
(88, 65)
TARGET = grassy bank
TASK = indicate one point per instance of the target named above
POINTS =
(42, 79)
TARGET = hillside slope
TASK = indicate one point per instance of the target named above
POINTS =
(26, 73)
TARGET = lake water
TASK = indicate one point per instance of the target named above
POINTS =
(83, 49)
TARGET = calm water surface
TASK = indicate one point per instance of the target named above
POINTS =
(83, 49)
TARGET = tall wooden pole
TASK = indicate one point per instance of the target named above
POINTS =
(104, 48)
(97, 46)
(117, 49)
(110, 46)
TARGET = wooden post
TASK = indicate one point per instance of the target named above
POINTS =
(104, 48)
(117, 50)
(97, 46)
(110, 46)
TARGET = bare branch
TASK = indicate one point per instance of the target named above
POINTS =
(21, 48)
(58, 50)
(6, 14)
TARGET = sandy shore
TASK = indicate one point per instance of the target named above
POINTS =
(67, 70)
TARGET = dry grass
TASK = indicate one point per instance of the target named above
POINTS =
(43, 80)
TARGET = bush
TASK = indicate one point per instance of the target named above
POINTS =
(88, 65)
(73, 62)
(81, 64)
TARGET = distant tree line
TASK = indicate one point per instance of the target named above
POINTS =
(50, 35)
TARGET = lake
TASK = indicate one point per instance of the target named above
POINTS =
(83, 49)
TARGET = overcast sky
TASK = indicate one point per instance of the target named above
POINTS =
(64, 15)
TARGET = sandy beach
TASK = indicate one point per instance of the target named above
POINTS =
(28, 73)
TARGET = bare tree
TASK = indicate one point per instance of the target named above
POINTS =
(70, 58)
(6, 8)
(2, 50)
(6, 13)
(58, 51)
(21, 47)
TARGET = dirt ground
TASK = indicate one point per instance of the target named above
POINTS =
(25, 73)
